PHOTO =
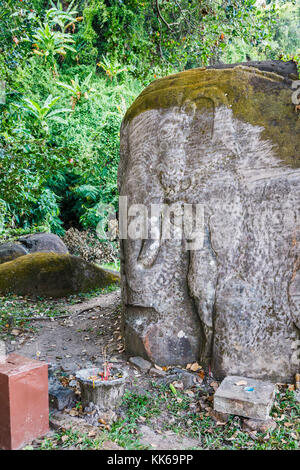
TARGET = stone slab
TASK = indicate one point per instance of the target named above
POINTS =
(232, 397)
(140, 363)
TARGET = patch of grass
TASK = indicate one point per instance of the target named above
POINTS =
(145, 405)
(198, 425)
(113, 266)
(184, 421)
(70, 439)
(74, 299)
(122, 433)
(16, 311)
(125, 434)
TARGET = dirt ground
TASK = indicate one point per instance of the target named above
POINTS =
(79, 340)
(168, 410)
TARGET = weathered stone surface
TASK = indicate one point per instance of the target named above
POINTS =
(60, 397)
(59, 421)
(106, 394)
(187, 378)
(43, 242)
(51, 275)
(140, 363)
(259, 425)
(219, 417)
(232, 397)
(286, 69)
(11, 251)
(157, 372)
(229, 140)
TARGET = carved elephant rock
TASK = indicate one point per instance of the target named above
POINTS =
(226, 140)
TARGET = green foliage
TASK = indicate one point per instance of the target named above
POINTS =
(43, 113)
(111, 67)
(284, 41)
(77, 89)
(50, 43)
(63, 18)
(57, 166)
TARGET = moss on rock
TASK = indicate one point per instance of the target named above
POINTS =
(258, 97)
(52, 275)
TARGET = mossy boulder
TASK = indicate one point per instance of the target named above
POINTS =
(33, 243)
(258, 93)
(52, 275)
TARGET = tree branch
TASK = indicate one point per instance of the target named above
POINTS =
(162, 18)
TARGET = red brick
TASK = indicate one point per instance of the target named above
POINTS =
(24, 406)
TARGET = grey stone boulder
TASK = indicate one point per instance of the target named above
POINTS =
(43, 242)
(187, 378)
(226, 141)
(258, 425)
(60, 397)
(11, 251)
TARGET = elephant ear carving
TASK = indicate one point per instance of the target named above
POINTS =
(204, 121)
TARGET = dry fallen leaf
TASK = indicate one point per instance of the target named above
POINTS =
(189, 393)
(15, 332)
(241, 382)
(178, 385)
(214, 385)
(195, 367)
(201, 374)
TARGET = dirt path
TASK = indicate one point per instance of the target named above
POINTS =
(79, 340)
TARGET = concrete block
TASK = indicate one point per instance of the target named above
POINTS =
(246, 397)
(24, 410)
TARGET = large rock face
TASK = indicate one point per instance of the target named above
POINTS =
(52, 275)
(228, 140)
